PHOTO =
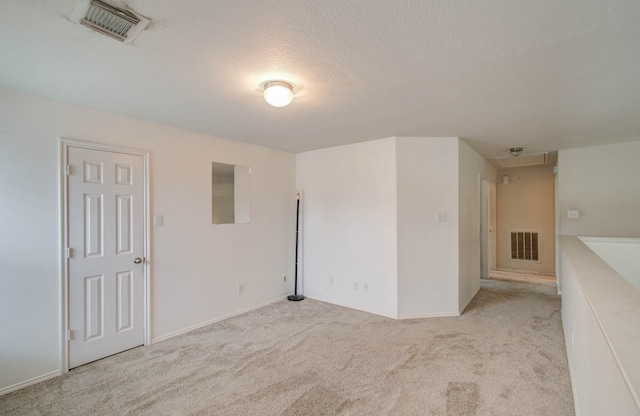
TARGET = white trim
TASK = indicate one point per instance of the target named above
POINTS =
(214, 320)
(62, 249)
(383, 313)
(469, 301)
(147, 249)
(351, 306)
(65, 144)
(31, 381)
(572, 371)
(104, 147)
(628, 240)
(430, 315)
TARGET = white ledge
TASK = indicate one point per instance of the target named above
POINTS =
(615, 304)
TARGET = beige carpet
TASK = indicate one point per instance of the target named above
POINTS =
(504, 356)
(520, 276)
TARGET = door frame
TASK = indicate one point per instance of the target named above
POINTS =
(64, 145)
(487, 226)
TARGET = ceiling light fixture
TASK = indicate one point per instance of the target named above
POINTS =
(516, 151)
(278, 93)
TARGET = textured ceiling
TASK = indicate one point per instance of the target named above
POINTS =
(544, 74)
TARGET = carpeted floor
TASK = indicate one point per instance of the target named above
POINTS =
(504, 356)
(523, 277)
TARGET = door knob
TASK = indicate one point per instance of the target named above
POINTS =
(137, 260)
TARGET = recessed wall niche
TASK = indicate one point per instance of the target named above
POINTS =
(230, 194)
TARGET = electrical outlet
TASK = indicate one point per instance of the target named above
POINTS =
(240, 288)
(355, 285)
(442, 217)
(365, 287)
(573, 213)
(330, 280)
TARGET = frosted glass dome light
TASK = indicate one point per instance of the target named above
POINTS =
(278, 93)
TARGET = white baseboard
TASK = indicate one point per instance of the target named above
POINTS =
(383, 313)
(350, 306)
(29, 382)
(214, 320)
(468, 301)
(57, 373)
(429, 315)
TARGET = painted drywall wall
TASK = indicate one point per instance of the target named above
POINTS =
(427, 181)
(349, 225)
(195, 265)
(622, 254)
(472, 169)
(371, 216)
(527, 202)
(603, 183)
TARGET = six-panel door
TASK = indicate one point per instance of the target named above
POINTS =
(106, 235)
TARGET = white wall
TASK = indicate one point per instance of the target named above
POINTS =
(370, 216)
(195, 265)
(427, 183)
(599, 309)
(603, 182)
(349, 224)
(472, 170)
(622, 254)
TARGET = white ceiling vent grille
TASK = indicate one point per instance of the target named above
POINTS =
(119, 24)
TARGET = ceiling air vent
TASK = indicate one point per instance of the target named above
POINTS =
(119, 24)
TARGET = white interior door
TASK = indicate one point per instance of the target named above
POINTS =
(487, 225)
(106, 258)
(491, 245)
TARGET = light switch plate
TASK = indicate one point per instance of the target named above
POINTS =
(158, 220)
(442, 217)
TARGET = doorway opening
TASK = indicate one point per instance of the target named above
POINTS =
(525, 224)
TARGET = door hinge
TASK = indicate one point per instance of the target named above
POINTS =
(67, 170)
(68, 335)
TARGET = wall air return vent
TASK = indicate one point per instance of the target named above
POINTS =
(111, 21)
(525, 245)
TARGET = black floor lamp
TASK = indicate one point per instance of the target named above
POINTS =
(296, 297)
